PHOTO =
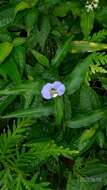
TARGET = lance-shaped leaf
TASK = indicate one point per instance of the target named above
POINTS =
(87, 21)
(86, 46)
(30, 20)
(89, 99)
(61, 53)
(20, 58)
(34, 112)
(87, 139)
(100, 138)
(43, 34)
(76, 77)
(5, 50)
(59, 110)
(72, 183)
(40, 58)
(95, 169)
(20, 89)
(87, 119)
(5, 101)
(21, 6)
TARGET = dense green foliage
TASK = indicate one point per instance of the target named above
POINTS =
(57, 144)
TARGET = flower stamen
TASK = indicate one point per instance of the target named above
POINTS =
(53, 93)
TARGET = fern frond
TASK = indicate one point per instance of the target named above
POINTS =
(19, 182)
(29, 185)
(98, 60)
(50, 148)
(39, 153)
(10, 140)
(97, 69)
(6, 182)
(99, 36)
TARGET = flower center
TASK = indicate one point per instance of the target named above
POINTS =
(53, 92)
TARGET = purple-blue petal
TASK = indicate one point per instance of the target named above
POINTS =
(59, 87)
(46, 91)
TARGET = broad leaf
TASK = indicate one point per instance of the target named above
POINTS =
(30, 20)
(21, 6)
(5, 50)
(12, 71)
(87, 119)
(6, 17)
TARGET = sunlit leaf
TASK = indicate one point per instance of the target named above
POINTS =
(5, 50)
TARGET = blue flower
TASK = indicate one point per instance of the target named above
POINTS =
(52, 90)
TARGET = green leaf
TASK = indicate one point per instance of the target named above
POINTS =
(101, 16)
(5, 50)
(43, 34)
(9, 140)
(104, 82)
(3, 73)
(61, 53)
(96, 183)
(87, 139)
(86, 46)
(76, 77)
(19, 41)
(87, 21)
(62, 9)
(6, 101)
(5, 35)
(94, 169)
(20, 58)
(87, 119)
(72, 183)
(25, 5)
(40, 58)
(87, 134)
(99, 36)
(32, 2)
(12, 71)
(20, 89)
(21, 6)
(30, 20)
(34, 112)
(18, 182)
(100, 138)
(89, 99)
(6, 17)
(59, 110)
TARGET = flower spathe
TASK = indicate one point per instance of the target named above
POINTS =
(52, 90)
